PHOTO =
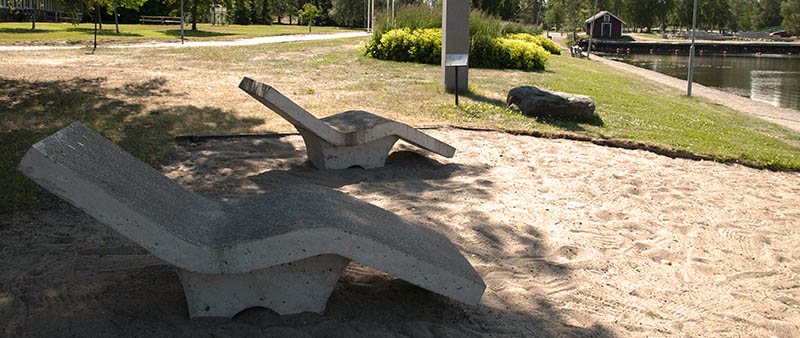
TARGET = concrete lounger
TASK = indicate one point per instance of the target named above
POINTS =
(282, 250)
(352, 138)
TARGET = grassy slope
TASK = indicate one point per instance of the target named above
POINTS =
(19, 32)
(331, 76)
(633, 108)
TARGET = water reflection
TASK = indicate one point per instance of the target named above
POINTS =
(774, 79)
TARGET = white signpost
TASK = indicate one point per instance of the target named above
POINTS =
(455, 40)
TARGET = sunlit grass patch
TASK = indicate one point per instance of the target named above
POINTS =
(49, 32)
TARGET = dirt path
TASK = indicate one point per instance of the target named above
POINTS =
(786, 117)
(559, 39)
(242, 42)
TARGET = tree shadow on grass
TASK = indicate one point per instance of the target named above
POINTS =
(151, 87)
(24, 30)
(101, 32)
(563, 124)
(481, 98)
(194, 34)
(32, 110)
(571, 125)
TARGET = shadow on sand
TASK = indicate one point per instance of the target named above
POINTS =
(89, 281)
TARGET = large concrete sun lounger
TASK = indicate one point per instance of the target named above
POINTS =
(352, 138)
(283, 250)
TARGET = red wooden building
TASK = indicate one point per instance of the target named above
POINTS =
(606, 25)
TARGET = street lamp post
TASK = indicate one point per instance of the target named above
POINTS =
(182, 21)
(591, 31)
(691, 51)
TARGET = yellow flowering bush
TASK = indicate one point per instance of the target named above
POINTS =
(425, 46)
(540, 40)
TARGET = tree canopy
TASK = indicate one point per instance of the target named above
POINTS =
(732, 15)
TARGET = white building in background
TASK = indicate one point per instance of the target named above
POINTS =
(21, 10)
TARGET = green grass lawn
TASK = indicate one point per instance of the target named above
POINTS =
(632, 108)
(143, 114)
(20, 32)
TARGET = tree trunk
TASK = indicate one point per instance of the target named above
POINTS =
(96, 21)
(33, 15)
(194, 15)
(116, 21)
(100, 17)
(265, 15)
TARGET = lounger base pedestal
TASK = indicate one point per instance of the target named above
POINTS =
(299, 286)
(327, 156)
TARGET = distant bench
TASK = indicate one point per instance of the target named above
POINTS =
(159, 19)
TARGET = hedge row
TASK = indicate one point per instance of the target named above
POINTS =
(517, 51)
(404, 44)
(519, 54)
(540, 40)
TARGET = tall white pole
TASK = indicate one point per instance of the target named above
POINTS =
(591, 31)
(691, 51)
(182, 21)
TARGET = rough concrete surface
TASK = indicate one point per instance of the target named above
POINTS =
(228, 239)
(352, 138)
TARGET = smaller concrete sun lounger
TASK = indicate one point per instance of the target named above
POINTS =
(352, 138)
(283, 250)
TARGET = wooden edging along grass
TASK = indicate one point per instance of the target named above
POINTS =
(602, 141)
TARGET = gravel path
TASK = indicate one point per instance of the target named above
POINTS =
(242, 42)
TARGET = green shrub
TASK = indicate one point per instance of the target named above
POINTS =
(519, 54)
(415, 35)
(425, 46)
(483, 29)
(540, 40)
(514, 28)
(420, 45)
(482, 24)
(411, 17)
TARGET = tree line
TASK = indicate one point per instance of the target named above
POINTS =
(350, 13)
(720, 15)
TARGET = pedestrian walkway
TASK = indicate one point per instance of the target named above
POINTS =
(786, 117)
(241, 42)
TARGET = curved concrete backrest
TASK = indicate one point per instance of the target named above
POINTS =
(351, 128)
(290, 111)
(116, 188)
(237, 241)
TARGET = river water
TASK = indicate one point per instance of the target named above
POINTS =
(774, 79)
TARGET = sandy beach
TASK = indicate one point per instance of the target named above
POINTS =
(572, 239)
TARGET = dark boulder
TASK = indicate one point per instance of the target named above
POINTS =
(535, 102)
